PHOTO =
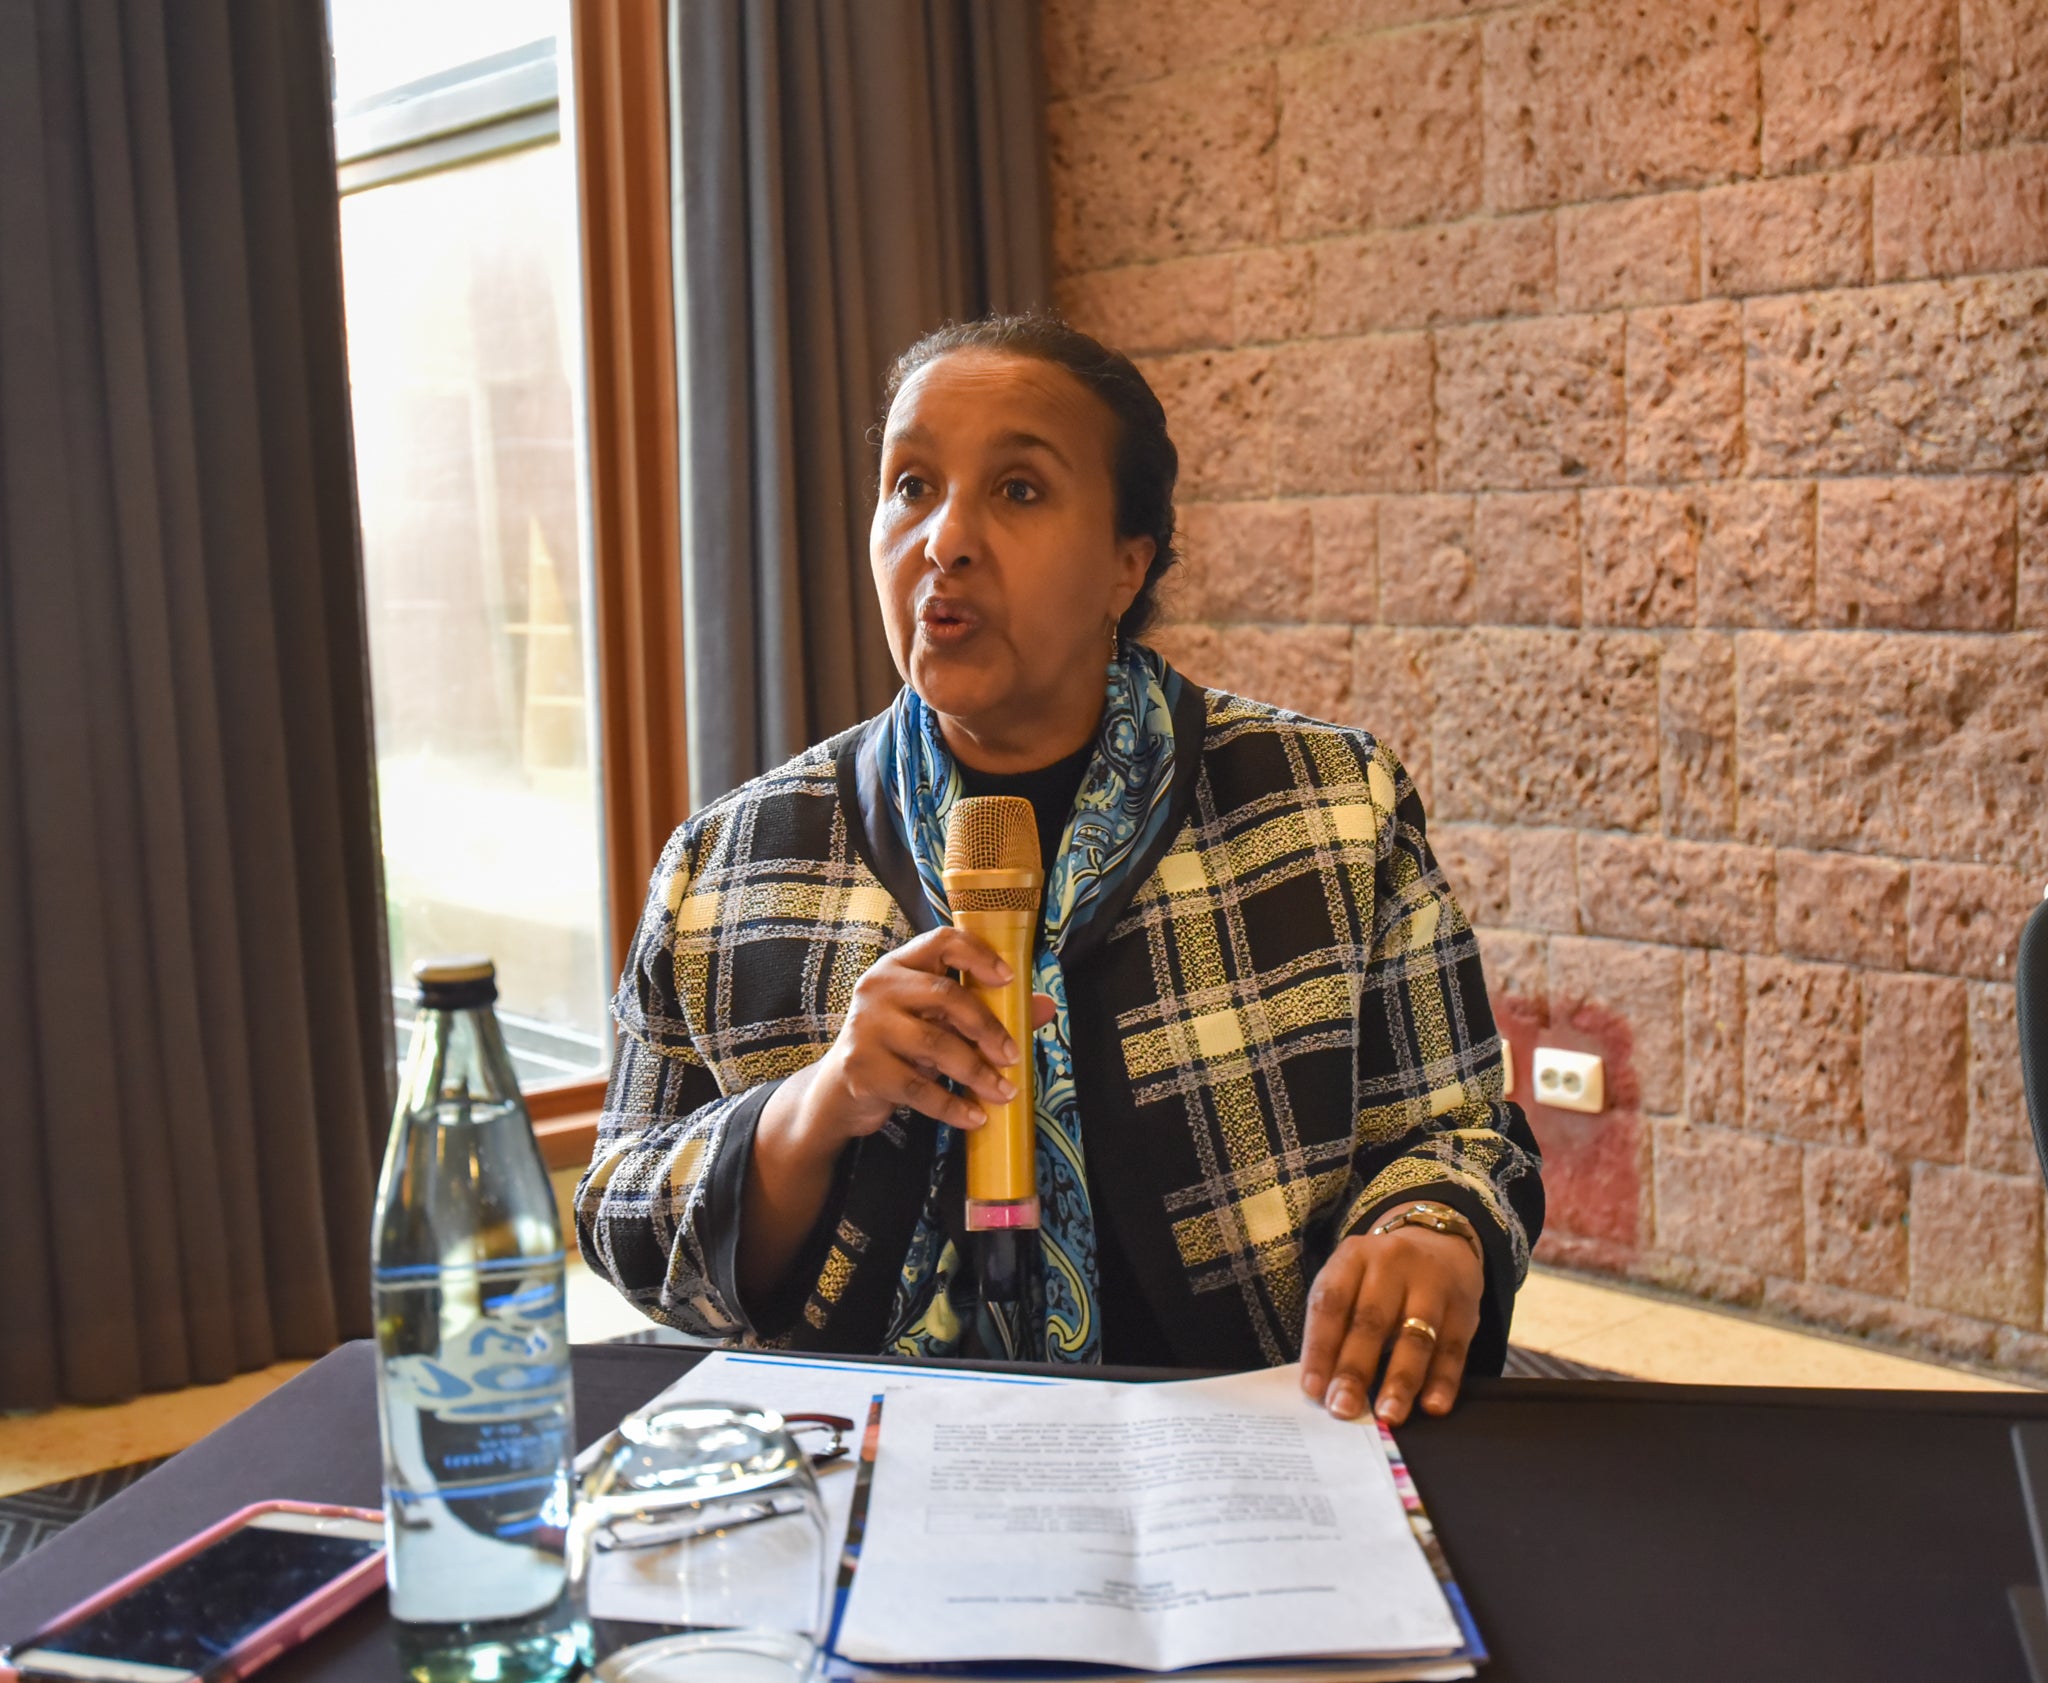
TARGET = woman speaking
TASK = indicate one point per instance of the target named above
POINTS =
(1269, 1119)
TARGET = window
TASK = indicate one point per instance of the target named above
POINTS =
(460, 250)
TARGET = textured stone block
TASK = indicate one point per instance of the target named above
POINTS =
(1715, 1002)
(1729, 1197)
(1696, 716)
(1353, 415)
(1193, 303)
(1629, 251)
(2005, 72)
(1164, 170)
(1593, 101)
(1802, 1069)
(1091, 45)
(1346, 569)
(1915, 1066)
(1919, 554)
(1638, 987)
(1847, 81)
(1548, 727)
(1528, 405)
(1755, 553)
(1842, 907)
(1427, 564)
(2031, 607)
(1856, 1220)
(1195, 651)
(1640, 560)
(1685, 392)
(1916, 1331)
(1594, 1175)
(1303, 667)
(2000, 1137)
(1380, 133)
(1517, 967)
(1711, 1282)
(1894, 743)
(1393, 695)
(1681, 892)
(1965, 920)
(1390, 14)
(1785, 236)
(1219, 408)
(2020, 1353)
(1243, 561)
(1932, 377)
(1423, 277)
(1528, 553)
(1474, 858)
(1976, 1244)
(1970, 215)
(1543, 879)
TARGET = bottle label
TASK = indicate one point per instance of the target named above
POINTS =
(502, 1350)
(476, 1359)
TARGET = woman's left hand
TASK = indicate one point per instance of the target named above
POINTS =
(1368, 1291)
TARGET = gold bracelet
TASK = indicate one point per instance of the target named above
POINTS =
(1438, 1218)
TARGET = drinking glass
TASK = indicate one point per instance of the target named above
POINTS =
(699, 1546)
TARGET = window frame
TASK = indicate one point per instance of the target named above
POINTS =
(615, 114)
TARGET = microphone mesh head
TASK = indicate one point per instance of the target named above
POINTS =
(993, 833)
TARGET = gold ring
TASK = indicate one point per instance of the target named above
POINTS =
(1421, 1328)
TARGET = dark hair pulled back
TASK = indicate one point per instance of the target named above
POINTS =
(1145, 465)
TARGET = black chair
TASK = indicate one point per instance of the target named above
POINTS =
(2032, 977)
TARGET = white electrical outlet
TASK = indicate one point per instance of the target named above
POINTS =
(1570, 1080)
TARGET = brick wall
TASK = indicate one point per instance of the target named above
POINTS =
(1636, 411)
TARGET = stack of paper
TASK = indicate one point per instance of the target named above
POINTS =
(1026, 1528)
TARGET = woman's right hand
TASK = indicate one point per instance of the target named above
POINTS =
(911, 1028)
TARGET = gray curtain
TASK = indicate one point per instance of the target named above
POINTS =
(850, 174)
(194, 1011)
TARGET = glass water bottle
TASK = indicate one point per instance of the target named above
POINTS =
(473, 1357)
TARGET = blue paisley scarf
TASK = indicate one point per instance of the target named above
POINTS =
(1120, 808)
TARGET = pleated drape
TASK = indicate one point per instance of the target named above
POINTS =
(849, 174)
(194, 1006)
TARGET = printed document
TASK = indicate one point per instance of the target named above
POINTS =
(1152, 1526)
(640, 1585)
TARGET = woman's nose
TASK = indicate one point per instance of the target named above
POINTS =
(953, 540)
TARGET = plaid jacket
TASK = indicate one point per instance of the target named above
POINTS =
(1279, 1029)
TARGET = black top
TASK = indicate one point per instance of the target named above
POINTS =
(1130, 1331)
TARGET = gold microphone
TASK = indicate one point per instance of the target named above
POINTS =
(993, 883)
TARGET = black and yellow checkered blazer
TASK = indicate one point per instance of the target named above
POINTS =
(1279, 1028)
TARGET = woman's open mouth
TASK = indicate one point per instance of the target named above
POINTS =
(946, 623)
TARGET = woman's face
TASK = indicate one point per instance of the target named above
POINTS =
(995, 553)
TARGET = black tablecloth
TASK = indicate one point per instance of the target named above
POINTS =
(1601, 1530)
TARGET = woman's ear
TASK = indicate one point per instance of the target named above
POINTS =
(1133, 561)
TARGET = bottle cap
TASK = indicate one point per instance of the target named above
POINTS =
(455, 983)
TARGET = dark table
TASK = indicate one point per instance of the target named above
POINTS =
(1601, 1530)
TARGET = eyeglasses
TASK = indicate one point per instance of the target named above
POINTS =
(806, 1429)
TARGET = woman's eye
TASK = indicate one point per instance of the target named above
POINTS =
(909, 486)
(1020, 490)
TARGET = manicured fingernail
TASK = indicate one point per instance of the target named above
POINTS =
(1437, 1402)
(1389, 1410)
(1342, 1400)
(1003, 971)
(1006, 1087)
(1312, 1382)
(1009, 1051)
(975, 1118)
